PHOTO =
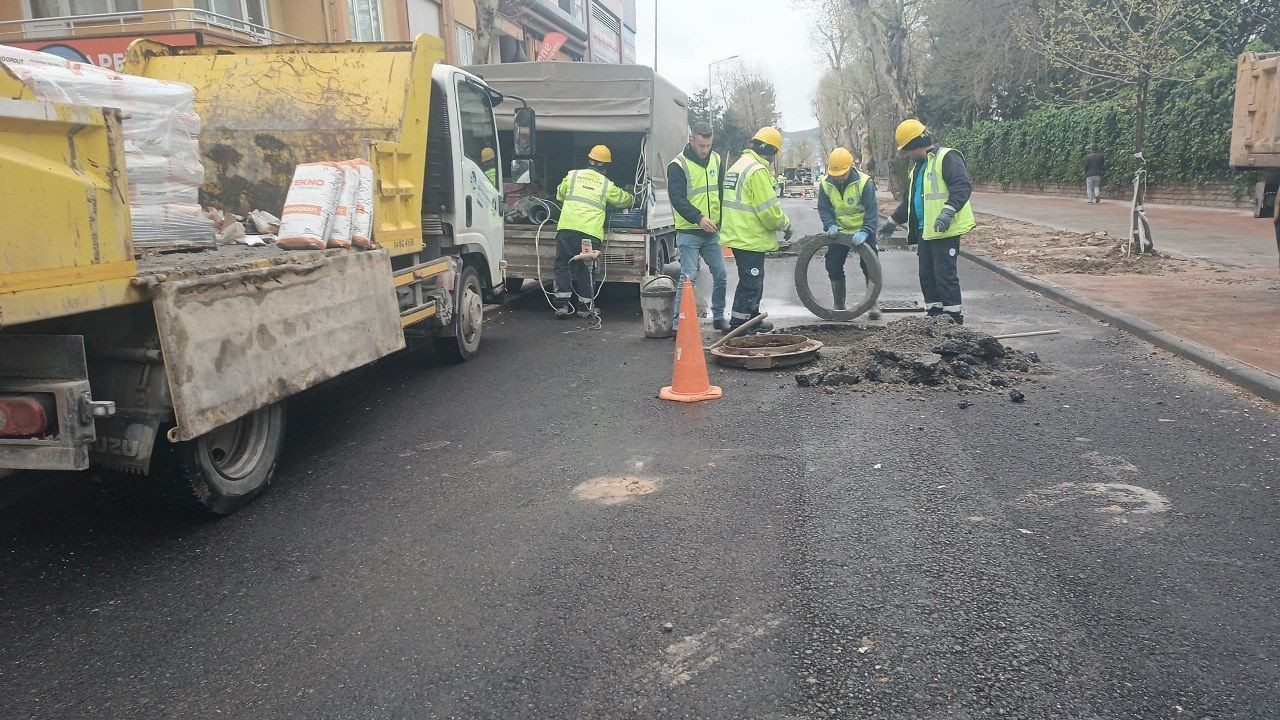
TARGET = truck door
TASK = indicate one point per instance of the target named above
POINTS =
(479, 196)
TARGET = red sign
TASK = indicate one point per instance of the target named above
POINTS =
(107, 52)
(551, 45)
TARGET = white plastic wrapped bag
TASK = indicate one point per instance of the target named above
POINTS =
(362, 223)
(345, 210)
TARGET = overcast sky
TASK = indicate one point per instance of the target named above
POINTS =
(772, 34)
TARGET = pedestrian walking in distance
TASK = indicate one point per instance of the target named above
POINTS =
(695, 184)
(1093, 176)
(847, 206)
(935, 208)
(751, 218)
(585, 195)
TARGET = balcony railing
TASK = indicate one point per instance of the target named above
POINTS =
(140, 22)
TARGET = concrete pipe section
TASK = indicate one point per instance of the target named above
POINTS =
(808, 247)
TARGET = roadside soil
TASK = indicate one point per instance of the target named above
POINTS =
(1042, 250)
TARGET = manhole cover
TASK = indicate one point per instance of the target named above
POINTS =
(760, 352)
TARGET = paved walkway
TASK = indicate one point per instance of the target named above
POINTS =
(1233, 307)
(1226, 237)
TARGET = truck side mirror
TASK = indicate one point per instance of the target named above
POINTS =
(525, 133)
(521, 172)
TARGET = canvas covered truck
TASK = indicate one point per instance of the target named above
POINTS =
(641, 117)
(1255, 129)
(174, 368)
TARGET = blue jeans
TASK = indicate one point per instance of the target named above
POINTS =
(707, 247)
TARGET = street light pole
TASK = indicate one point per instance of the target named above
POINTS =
(711, 65)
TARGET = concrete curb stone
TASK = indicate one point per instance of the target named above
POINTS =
(1242, 374)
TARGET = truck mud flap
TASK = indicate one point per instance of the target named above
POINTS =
(240, 341)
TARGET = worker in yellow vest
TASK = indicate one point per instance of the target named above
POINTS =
(847, 206)
(936, 210)
(585, 196)
(694, 186)
(489, 164)
(751, 218)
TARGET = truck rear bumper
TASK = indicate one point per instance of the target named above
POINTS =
(628, 256)
(51, 368)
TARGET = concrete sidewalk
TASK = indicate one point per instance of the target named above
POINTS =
(1233, 238)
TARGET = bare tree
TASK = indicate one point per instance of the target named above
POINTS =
(884, 26)
(751, 103)
(486, 22)
(1122, 43)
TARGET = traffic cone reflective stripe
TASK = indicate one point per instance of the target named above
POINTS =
(689, 381)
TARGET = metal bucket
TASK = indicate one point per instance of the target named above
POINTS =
(658, 306)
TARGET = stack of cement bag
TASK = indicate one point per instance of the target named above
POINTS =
(161, 142)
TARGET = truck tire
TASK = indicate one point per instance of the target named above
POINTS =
(468, 321)
(223, 470)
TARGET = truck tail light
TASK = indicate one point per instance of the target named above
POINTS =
(23, 416)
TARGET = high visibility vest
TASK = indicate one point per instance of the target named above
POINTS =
(492, 174)
(935, 196)
(847, 204)
(703, 187)
(750, 216)
(584, 196)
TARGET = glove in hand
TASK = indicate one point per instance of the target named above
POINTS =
(945, 216)
(859, 238)
(833, 230)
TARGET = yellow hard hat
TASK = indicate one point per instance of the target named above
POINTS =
(601, 154)
(908, 130)
(486, 155)
(769, 135)
(840, 162)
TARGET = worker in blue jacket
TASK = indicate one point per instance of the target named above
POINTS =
(847, 206)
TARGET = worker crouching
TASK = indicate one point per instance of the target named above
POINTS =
(585, 196)
(751, 218)
(936, 210)
(847, 206)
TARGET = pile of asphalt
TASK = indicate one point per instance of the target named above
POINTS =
(917, 352)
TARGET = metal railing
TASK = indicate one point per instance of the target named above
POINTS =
(141, 22)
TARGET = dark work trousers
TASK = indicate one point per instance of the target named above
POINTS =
(573, 279)
(939, 280)
(837, 254)
(746, 298)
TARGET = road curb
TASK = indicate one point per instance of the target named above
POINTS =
(1246, 376)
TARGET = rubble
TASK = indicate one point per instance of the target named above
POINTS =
(913, 353)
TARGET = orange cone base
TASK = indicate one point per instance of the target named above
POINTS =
(711, 393)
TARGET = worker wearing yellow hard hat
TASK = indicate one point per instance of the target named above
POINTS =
(585, 196)
(751, 218)
(847, 206)
(489, 164)
(936, 210)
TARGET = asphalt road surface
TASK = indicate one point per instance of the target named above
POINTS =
(507, 538)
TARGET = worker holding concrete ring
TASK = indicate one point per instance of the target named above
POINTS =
(847, 206)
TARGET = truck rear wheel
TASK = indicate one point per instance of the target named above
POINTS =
(225, 469)
(468, 321)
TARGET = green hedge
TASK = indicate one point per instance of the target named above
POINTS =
(1188, 138)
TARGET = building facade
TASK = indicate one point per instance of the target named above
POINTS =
(99, 31)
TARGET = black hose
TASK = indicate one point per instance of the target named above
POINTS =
(809, 247)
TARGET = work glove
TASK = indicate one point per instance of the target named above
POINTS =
(859, 237)
(786, 234)
(945, 216)
(833, 230)
(887, 229)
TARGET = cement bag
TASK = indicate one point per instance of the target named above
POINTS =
(344, 213)
(362, 230)
(309, 206)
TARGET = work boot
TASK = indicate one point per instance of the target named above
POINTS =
(563, 308)
(838, 292)
(957, 316)
(720, 324)
(933, 312)
(874, 312)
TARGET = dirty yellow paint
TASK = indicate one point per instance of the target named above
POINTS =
(417, 317)
(265, 109)
(68, 246)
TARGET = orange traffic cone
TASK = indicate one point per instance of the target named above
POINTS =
(689, 382)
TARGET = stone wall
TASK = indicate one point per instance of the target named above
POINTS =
(1219, 195)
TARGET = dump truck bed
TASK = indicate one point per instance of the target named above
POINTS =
(1255, 130)
(161, 267)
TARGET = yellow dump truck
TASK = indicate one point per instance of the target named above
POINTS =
(174, 367)
(1255, 129)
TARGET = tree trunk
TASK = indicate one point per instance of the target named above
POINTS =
(1140, 122)
(486, 17)
(864, 142)
(886, 43)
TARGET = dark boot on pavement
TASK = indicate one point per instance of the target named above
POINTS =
(838, 292)
(563, 309)
(720, 324)
(874, 312)
(933, 312)
(958, 317)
